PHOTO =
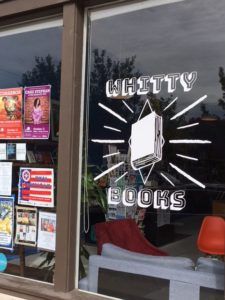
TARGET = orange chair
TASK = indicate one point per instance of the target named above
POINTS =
(211, 238)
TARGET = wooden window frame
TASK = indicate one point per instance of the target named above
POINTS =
(15, 12)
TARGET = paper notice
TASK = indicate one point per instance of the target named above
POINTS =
(5, 178)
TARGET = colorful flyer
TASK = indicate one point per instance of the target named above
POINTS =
(36, 187)
(6, 222)
(11, 126)
(37, 112)
(26, 226)
(46, 231)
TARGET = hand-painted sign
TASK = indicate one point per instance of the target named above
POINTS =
(146, 142)
(145, 84)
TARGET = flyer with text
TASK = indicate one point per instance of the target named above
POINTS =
(26, 226)
(46, 231)
(37, 112)
(6, 222)
(36, 187)
(6, 178)
(11, 126)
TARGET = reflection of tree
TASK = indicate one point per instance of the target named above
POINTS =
(103, 68)
(221, 101)
(204, 110)
(45, 71)
(158, 105)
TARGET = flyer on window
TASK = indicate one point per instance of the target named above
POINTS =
(3, 155)
(26, 226)
(36, 187)
(11, 126)
(46, 231)
(6, 222)
(6, 178)
(16, 151)
(37, 112)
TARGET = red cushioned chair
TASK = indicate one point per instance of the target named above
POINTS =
(124, 234)
(211, 238)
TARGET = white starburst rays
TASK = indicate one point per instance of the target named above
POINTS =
(148, 169)
(104, 141)
(188, 141)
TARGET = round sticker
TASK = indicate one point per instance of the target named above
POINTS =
(3, 262)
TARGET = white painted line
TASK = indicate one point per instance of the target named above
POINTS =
(127, 106)
(190, 142)
(164, 176)
(112, 112)
(112, 128)
(187, 176)
(189, 107)
(187, 126)
(111, 154)
(109, 141)
(121, 177)
(187, 157)
(170, 104)
(108, 170)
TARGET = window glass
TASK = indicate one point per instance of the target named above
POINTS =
(153, 172)
(30, 66)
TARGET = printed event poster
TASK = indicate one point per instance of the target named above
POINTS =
(37, 112)
(46, 231)
(36, 187)
(11, 126)
(6, 222)
(26, 226)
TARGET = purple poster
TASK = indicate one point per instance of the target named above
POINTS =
(37, 112)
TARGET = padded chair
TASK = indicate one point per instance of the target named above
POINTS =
(124, 234)
(211, 238)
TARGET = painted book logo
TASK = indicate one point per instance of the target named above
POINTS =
(146, 141)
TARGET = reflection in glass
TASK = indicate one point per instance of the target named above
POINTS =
(173, 45)
(31, 59)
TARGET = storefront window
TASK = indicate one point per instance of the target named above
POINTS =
(153, 152)
(30, 66)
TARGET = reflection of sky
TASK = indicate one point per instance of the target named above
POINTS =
(17, 53)
(181, 37)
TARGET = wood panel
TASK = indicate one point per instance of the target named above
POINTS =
(69, 133)
(16, 7)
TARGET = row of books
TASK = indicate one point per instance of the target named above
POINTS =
(19, 152)
(42, 157)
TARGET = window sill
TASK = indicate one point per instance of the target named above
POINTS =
(31, 289)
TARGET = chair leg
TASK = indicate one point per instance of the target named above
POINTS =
(93, 273)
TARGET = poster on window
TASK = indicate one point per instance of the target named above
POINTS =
(36, 187)
(26, 226)
(37, 112)
(6, 222)
(46, 231)
(11, 113)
